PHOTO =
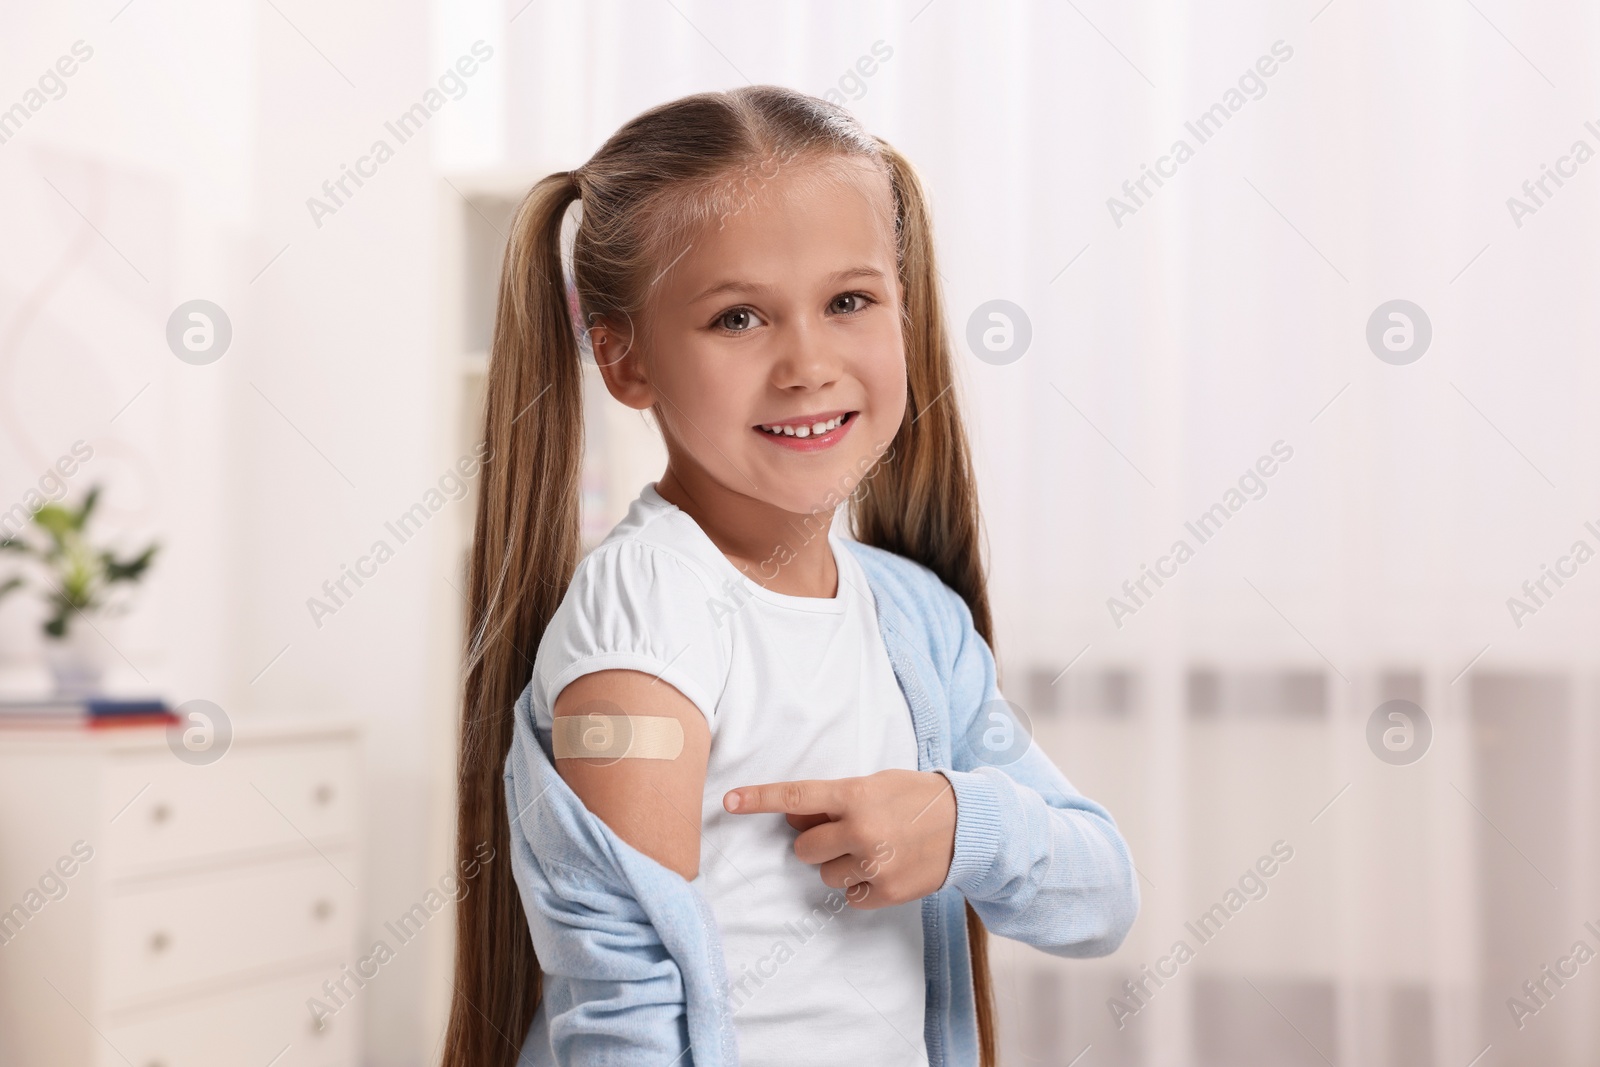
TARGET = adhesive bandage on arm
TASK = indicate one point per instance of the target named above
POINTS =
(596, 736)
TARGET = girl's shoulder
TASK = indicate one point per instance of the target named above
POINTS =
(636, 576)
(915, 593)
(653, 538)
(634, 604)
(893, 566)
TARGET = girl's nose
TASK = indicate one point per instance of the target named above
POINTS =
(807, 359)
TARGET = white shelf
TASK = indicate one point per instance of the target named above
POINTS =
(201, 904)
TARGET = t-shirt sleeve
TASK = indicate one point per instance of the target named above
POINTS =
(632, 606)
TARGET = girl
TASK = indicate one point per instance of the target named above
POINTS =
(759, 791)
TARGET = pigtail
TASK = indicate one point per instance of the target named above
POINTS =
(525, 549)
(923, 501)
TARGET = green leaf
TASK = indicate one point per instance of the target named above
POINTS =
(10, 585)
(129, 570)
(87, 507)
(56, 625)
(55, 520)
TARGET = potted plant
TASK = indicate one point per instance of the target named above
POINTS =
(78, 580)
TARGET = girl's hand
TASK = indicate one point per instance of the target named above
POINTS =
(893, 831)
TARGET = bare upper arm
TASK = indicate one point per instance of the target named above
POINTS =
(652, 804)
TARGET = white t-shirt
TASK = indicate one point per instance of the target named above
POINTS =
(792, 687)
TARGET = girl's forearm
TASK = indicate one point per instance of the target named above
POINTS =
(1040, 862)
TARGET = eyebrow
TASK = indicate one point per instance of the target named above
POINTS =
(738, 286)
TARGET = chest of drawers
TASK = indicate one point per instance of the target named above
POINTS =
(157, 913)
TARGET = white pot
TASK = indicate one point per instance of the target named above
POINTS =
(78, 661)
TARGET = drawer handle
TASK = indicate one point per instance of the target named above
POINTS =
(323, 794)
(322, 909)
(160, 814)
(160, 942)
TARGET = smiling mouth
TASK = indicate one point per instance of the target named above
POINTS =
(802, 430)
(802, 436)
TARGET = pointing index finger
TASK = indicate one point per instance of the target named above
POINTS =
(808, 796)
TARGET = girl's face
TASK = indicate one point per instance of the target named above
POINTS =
(783, 314)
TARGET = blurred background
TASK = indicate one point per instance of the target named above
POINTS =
(1277, 341)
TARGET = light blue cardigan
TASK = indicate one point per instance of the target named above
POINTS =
(632, 956)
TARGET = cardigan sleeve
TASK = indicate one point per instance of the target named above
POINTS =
(631, 958)
(612, 992)
(1040, 862)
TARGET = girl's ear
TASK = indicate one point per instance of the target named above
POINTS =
(620, 364)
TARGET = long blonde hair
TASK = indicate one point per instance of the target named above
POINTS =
(659, 176)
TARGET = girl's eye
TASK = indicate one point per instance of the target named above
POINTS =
(737, 320)
(850, 303)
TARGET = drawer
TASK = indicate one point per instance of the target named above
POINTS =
(157, 941)
(256, 797)
(267, 1024)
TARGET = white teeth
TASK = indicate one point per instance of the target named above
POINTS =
(816, 428)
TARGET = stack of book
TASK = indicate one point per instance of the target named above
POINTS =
(80, 712)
